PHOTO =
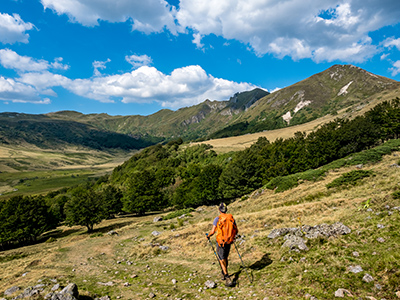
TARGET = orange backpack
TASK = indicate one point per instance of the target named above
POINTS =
(227, 229)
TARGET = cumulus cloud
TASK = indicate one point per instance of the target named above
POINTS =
(11, 60)
(392, 42)
(323, 30)
(138, 61)
(13, 29)
(183, 87)
(146, 16)
(11, 90)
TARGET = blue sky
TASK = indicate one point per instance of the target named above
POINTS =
(129, 57)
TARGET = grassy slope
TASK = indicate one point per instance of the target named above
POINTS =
(87, 260)
(33, 170)
(238, 143)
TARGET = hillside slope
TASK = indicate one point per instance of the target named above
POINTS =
(325, 93)
(172, 259)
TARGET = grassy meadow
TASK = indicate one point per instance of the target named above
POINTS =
(30, 170)
(131, 265)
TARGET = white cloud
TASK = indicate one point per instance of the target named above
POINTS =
(99, 65)
(11, 90)
(323, 30)
(396, 68)
(138, 61)
(12, 60)
(197, 41)
(13, 29)
(146, 16)
(183, 87)
(392, 42)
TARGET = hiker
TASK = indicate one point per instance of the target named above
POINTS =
(226, 229)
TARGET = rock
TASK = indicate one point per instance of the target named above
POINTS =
(174, 281)
(294, 242)
(152, 295)
(360, 166)
(157, 219)
(71, 289)
(210, 284)
(112, 232)
(156, 233)
(380, 226)
(356, 254)
(380, 240)
(110, 283)
(368, 278)
(11, 290)
(340, 293)
(355, 269)
(103, 298)
(398, 294)
(164, 248)
(55, 287)
(394, 166)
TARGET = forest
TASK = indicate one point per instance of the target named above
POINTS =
(176, 176)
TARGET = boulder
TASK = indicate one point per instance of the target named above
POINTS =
(294, 242)
(368, 278)
(11, 290)
(340, 293)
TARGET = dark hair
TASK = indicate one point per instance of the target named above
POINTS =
(222, 207)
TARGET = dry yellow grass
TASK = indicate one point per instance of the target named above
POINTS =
(77, 257)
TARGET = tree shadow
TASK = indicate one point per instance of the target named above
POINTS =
(111, 227)
(262, 263)
(85, 298)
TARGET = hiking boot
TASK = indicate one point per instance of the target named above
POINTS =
(228, 282)
(223, 276)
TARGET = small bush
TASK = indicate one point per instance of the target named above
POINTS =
(178, 213)
(98, 234)
(282, 183)
(350, 178)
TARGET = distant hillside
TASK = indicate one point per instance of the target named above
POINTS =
(338, 87)
(45, 132)
(189, 123)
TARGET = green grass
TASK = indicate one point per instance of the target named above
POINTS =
(350, 178)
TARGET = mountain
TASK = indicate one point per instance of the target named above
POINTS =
(189, 123)
(337, 88)
(340, 86)
(46, 132)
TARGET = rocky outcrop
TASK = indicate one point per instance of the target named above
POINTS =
(294, 236)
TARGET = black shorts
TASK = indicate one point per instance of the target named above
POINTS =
(223, 251)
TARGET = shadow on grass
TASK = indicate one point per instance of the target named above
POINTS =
(262, 263)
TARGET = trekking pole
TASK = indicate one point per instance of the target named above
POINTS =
(244, 267)
(215, 253)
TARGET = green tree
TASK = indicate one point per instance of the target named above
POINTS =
(112, 199)
(85, 208)
(143, 193)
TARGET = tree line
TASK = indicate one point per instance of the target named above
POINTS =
(181, 176)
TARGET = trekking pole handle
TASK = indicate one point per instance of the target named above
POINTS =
(207, 236)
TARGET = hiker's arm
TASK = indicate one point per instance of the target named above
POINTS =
(214, 228)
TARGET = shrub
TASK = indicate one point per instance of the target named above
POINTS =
(178, 213)
(396, 195)
(350, 178)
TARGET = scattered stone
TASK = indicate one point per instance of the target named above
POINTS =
(55, 287)
(294, 242)
(210, 284)
(340, 293)
(378, 286)
(369, 210)
(174, 281)
(127, 284)
(11, 290)
(152, 295)
(103, 298)
(112, 232)
(157, 219)
(71, 289)
(133, 276)
(380, 226)
(371, 298)
(368, 278)
(155, 233)
(360, 166)
(394, 166)
(356, 254)
(398, 294)
(355, 269)
(380, 240)
(164, 248)
(110, 283)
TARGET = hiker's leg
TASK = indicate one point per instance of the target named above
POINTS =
(224, 265)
